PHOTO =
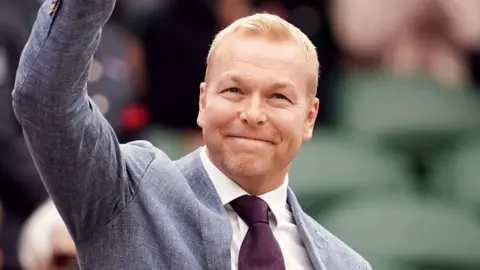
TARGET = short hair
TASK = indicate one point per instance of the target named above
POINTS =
(35, 242)
(275, 28)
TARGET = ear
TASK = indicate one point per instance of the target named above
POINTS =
(201, 104)
(310, 120)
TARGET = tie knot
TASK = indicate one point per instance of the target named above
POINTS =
(251, 209)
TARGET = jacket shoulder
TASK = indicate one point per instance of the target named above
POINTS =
(140, 154)
(338, 254)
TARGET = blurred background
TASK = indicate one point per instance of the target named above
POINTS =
(394, 166)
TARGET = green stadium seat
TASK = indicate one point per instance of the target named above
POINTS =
(456, 174)
(332, 165)
(391, 265)
(173, 143)
(405, 112)
(423, 232)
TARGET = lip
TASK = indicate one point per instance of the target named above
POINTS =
(249, 138)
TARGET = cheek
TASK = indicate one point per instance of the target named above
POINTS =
(218, 113)
(289, 125)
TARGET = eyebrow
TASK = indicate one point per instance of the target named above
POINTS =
(276, 85)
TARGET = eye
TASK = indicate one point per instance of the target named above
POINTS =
(279, 96)
(233, 90)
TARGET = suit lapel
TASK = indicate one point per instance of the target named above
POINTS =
(216, 230)
(314, 243)
(215, 226)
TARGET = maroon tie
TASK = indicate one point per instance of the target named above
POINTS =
(260, 249)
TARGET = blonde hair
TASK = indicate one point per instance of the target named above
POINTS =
(275, 28)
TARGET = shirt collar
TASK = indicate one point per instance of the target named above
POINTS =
(228, 190)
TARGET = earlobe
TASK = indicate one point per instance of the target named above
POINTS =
(201, 100)
(310, 121)
(200, 120)
(201, 104)
(308, 133)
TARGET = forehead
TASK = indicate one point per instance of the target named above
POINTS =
(259, 59)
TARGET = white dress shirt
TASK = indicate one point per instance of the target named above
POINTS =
(280, 218)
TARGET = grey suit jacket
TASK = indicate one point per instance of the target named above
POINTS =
(126, 206)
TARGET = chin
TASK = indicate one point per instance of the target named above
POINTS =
(245, 166)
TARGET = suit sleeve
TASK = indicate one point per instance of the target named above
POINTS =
(74, 148)
(20, 186)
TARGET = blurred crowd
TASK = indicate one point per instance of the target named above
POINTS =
(401, 76)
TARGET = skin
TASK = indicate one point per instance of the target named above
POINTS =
(255, 110)
(226, 12)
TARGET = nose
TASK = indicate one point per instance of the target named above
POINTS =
(252, 113)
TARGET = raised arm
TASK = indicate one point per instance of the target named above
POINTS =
(73, 146)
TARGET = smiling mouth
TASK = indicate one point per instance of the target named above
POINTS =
(250, 139)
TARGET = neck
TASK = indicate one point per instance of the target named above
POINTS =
(257, 186)
(253, 184)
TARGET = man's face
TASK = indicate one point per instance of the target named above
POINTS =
(256, 109)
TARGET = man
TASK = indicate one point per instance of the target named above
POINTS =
(131, 207)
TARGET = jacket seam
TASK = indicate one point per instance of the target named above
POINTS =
(94, 231)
